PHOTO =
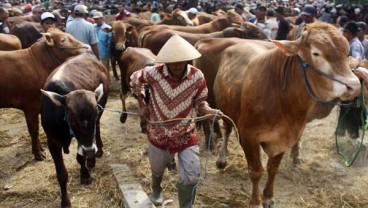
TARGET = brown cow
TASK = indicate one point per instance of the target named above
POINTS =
(27, 32)
(272, 116)
(9, 42)
(26, 72)
(132, 60)
(72, 109)
(124, 35)
(154, 40)
(211, 50)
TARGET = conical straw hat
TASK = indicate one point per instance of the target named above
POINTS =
(176, 49)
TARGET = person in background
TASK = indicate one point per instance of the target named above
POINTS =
(47, 21)
(362, 31)
(261, 20)
(155, 17)
(27, 10)
(350, 119)
(192, 15)
(123, 13)
(104, 37)
(308, 15)
(178, 91)
(326, 16)
(239, 8)
(272, 22)
(284, 26)
(4, 14)
(82, 30)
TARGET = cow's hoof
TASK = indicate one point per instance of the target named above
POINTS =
(268, 203)
(39, 156)
(123, 117)
(297, 162)
(221, 164)
(86, 181)
(66, 204)
(99, 153)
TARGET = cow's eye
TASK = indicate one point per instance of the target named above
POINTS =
(315, 54)
(62, 40)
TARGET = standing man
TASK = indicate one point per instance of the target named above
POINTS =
(82, 30)
(4, 14)
(123, 13)
(261, 20)
(104, 37)
(284, 26)
(362, 31)
(192, 15)
(178, 90)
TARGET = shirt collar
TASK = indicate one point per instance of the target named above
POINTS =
(187, 74)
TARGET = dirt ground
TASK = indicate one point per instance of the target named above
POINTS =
(321, 181)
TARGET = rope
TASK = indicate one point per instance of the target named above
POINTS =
(363, 115)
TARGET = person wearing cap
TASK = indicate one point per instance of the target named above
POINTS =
(284, 26)
(82, 30)
(4, 15)
(155, 17)
(192, 15)
(104, 37)
(261, 21)
(27, 10)
(309, 14)
(47, 21)
(350, 117)
(362, 31)
(178, 90)
(244, 13)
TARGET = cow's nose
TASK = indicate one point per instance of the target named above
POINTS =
(353, 87)
(120, 46)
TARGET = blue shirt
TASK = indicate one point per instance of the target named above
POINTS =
(82, 30)
(104, 41)
(356, 49)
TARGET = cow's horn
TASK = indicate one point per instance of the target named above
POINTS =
(48, 39)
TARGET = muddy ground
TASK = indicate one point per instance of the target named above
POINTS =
(321, 182)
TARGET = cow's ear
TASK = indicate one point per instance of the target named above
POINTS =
(288, 47)
(54, 97)
(48, 39)
(99, 92)
(238, 31)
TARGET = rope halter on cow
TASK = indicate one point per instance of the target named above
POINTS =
(303, 68)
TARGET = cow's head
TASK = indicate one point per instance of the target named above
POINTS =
(63, 45)
(322, 46)
(82, 113)
(180, 17)
(235, 18)
(119, 34)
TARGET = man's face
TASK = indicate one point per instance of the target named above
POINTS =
(177, 69)
(122, 8)
(308, 18)
(4, 15)
(191, 16)
(98, 21)
(260, 14)
(361, 33)
(48, 23)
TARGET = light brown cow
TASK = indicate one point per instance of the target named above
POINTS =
(26, 72)
(249, 88)
(132, 60)
(154, 40)
(9, 42)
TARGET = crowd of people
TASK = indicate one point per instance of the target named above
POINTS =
(85, 21)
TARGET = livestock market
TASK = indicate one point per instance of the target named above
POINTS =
(184, 103)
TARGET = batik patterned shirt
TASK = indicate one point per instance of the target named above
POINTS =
(171, 99)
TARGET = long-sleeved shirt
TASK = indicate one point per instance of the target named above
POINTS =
(171, 99)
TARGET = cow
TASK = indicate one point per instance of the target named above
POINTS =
(124, 35)
(211, 50)
(74, 97)
(9, 42)
(154, 40)
(132, 60)
(27, 32)
(264, 92)
(26, 72)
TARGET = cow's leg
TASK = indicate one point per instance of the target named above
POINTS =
(61, 172)
(207, 132)
(252, 154)
(295, 154)
(85, 177)
(272, 169)
(32, 124)
(113, 67)
(223, 152)
(99, 142)
(123, 97)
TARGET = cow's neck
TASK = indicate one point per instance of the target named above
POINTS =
(44, 55)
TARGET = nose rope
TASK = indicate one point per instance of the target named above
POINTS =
(303, 67)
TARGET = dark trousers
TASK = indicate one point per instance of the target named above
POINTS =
(350, 121)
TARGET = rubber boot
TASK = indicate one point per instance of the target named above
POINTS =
(186, 194)
(156, 196)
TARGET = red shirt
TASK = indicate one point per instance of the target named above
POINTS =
(172, 99)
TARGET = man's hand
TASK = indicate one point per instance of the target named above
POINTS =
(361, 73)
